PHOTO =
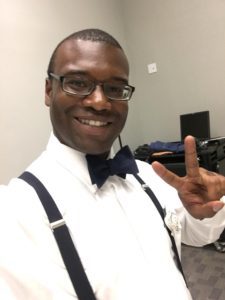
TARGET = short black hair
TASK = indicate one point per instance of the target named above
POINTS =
(91, 34)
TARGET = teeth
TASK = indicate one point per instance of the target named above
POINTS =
(93, 123)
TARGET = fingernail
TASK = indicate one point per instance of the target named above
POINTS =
(217, 207)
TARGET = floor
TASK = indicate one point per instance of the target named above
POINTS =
(204, 269)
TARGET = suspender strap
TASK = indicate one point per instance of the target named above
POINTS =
(66, 246)
(162, 214)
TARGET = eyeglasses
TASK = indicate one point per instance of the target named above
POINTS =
(83, 87)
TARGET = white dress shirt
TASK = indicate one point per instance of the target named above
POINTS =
(124, 247)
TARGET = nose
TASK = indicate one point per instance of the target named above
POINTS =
(97, 100)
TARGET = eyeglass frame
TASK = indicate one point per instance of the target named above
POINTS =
(61, 79)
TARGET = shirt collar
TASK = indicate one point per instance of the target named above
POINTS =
(72, 160)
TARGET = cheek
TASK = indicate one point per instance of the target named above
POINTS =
(60, 122)
(60, 104)
(58, 113)
(123, 111)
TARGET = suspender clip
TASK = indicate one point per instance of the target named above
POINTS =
(57, 224)
(144, 186)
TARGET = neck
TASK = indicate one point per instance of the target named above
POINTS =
(101, 155)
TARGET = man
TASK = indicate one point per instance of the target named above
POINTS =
(120, 237)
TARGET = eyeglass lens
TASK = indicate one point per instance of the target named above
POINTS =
(85, 87)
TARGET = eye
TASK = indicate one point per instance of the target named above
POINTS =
(115, 89)
(77, 84)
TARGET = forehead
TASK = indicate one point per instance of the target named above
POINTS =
(90, 57)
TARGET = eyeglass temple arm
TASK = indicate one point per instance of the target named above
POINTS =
(120, 141)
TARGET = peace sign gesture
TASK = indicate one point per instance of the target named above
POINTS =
(200, 190)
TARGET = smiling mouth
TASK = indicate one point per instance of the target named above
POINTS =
(93, 123)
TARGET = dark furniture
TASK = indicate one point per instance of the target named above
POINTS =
(211, 156)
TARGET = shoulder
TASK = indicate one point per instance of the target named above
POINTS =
(18, 200)
(16, 186)
(147, 173)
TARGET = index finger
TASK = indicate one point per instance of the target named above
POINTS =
(168, 176)
(191, 158)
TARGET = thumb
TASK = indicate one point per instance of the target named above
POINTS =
(217, 206)
(207, 210)
(211, 208)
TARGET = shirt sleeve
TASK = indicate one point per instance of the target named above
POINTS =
(200, 232)
(194, 232)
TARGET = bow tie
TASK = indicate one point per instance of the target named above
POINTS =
(100, 169)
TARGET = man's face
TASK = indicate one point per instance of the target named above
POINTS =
(89, 124)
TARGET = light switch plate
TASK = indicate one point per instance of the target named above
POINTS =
(152, 68)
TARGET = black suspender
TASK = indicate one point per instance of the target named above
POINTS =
(66, 246)
(152, 196)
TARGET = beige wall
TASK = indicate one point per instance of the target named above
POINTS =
(185, 38)
(187, 41)
(29, 31)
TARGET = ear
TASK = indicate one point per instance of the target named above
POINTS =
(48, 92)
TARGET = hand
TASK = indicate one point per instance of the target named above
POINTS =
(200, 190)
